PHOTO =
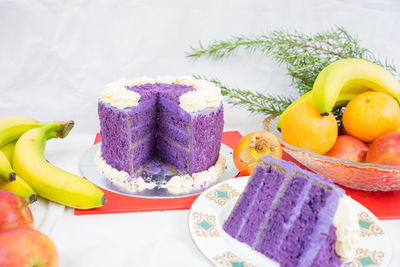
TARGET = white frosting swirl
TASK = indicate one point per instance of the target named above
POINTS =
(198, 180)
(176, 185)
(192, 101)
(118, 96)
(347, 229)
(121, 179)
(205, 95)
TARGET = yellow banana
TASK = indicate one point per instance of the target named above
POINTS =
(8, 150)
(339, 74)
(19, 186)
(347, 94)
(47, 180)
(11, 128)
(7, 174)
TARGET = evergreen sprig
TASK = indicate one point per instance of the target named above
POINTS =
(255, 102)
(304, 56)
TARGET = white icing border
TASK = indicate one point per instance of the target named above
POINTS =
(347, 229)
(205, 95)
(176, 185)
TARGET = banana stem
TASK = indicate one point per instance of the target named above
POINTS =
(61, 129)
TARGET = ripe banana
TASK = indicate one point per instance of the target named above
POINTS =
(47, 180)
(8, 150)
(347, 94)
(7, 174)
(339, 74)
(11, 128)
(19, 186)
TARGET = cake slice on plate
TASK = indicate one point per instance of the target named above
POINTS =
(294, 217)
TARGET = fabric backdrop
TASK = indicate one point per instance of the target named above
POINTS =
(56, 56)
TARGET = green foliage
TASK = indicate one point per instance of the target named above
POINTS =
(255, 102)
(304, 56)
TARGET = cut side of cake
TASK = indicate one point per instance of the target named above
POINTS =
(287, 214)
(178, 124)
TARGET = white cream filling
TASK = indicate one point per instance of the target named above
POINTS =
(176, 185)
(347, 229)
(205, 95)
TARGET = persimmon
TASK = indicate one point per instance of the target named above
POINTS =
(252, 147)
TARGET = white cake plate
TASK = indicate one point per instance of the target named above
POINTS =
(89, 170)
(210, 210)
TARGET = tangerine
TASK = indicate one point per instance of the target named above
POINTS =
(370, 115)
(304, 127)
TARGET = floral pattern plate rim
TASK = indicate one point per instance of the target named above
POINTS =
(213, 206)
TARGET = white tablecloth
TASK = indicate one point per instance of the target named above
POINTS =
(128, 239)
(56, 56)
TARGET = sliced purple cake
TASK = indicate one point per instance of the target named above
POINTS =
(291, 216)
(178, 121)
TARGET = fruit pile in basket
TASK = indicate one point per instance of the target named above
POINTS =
(25, 171)
(368, 128)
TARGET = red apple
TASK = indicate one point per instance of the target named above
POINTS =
(348, 147)
(385, 150)
(26, 247)
(14, 211)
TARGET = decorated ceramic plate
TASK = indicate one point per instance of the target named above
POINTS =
(89, 170)
(213, 206)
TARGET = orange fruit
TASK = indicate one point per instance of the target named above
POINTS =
(252, 147)
(370, 115)
(304, 127)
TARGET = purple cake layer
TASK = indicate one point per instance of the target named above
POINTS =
(174, 134)
(290, 218)
(159, 128)
(240, 214)
(326, 255)
(142, 114)
(114, 130)
(141, 154)
(172, 154)
(258, 190)
(171, 113)
(206, 131)
(137, 133)
(168, 91)
(274, 231)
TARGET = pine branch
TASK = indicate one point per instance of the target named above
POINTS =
(304, 56)
(255, 102)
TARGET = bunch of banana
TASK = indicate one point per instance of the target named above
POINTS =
(19, 186)
(344, 79)
(22, 143)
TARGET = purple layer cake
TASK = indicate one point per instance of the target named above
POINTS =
(176, 120)
(287, 214)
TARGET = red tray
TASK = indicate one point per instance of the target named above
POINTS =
(385, 205)
(117, 203)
